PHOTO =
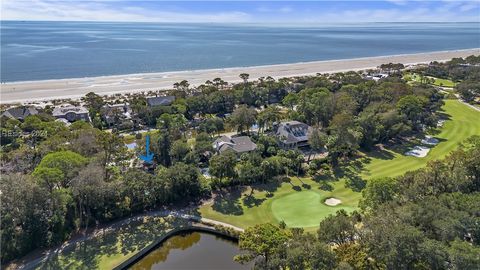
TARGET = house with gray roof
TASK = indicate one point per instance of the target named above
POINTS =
(160, 101)
(292, 134)
(239, 145)
(116, 113)
(71, 113)
(19, 113)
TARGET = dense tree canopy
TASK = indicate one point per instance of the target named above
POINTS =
(58, 180)
(426, 219)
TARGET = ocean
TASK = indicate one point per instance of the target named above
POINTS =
(57, 50)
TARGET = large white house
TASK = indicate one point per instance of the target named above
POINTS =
(71, 113)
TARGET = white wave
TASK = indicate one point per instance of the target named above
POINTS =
(35, 49)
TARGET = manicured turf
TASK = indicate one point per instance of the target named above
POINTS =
(304, 209)
(463, 123)
(298, 203)
(437, 81)
(110, 248)
(301, 203)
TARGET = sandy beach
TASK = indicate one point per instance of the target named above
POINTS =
(74, 88)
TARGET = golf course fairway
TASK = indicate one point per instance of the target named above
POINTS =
(300, 202)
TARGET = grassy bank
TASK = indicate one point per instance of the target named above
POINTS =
(109, 248)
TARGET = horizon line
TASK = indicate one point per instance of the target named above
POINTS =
(259, 22)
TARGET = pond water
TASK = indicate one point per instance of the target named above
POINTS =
(192, 250)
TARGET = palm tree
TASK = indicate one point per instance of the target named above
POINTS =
(268, 116)
(219, 83)
(270, 81)
(183, 85)
(244, 77)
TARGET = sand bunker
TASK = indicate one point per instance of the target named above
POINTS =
(332, 201)
(418, 151)
(430, 140)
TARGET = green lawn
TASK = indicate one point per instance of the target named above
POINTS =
(437, 81)
(463, 123)
(443, 82)
(300, 203)
(297, 209)
(109, 249)
(288, 202)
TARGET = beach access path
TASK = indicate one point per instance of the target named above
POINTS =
(16, 92)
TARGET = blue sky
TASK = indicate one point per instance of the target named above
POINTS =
(287, 12)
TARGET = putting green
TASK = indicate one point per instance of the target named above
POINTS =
(300, 203)
(302, 209)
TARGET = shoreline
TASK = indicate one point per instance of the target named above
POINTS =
(241, 67)
(41, 90)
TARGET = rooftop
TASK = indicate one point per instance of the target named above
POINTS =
(160, 101)
(239, 144)
(64, 110)
(292, 132)
(20, 112)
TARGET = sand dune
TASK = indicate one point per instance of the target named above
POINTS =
(75, 88)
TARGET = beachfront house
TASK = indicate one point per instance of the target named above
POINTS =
(19, 113)
(71, 113)
(292, 134)
(239, 145)
(160, 101)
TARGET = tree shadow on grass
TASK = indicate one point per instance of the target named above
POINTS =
(319, 178)
(269, 187)
(306, 186)
(356, 183)
(296, 188)
(324, 185)
(228, 202)
(350, 171)
(443, 115)
(351, 174)
(378, 153)
(250, 201)
(127, 238)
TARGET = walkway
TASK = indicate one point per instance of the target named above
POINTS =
(444, 89)
(466, 103)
